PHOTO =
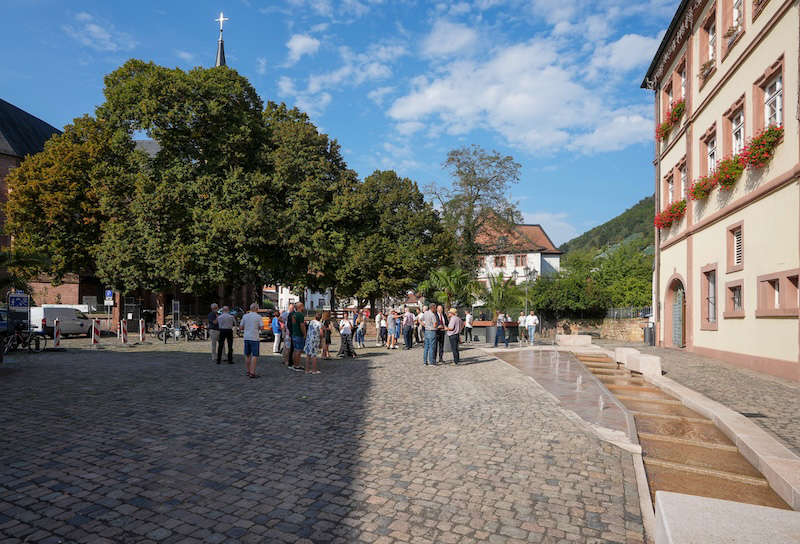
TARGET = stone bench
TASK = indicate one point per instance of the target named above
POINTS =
(573, 340)
(633, 359)
(687, 519)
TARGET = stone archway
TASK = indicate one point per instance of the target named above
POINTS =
(675, 313)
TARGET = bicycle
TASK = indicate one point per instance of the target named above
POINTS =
(24, 339)
(168, 331)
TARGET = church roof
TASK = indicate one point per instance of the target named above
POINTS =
(21, 133)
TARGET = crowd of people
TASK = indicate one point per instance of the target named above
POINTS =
(294, 336)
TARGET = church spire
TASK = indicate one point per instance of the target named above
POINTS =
(220, 43)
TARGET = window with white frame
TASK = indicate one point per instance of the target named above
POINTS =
(712, 40)
(684, 183)
(773, 102)
(738, 14)
(737, 131)
(711, 296)
(682, 75)
(711, 150)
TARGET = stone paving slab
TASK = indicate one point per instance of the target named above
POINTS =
(157, 444)
(742, 390)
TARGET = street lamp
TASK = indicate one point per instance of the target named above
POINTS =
(530, 275)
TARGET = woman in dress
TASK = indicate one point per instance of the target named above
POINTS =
(313, 340)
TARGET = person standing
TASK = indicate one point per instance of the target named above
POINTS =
(297, 322)
(288, 347)
(361, 329)
(430, 324)
(408, 327)
(532, 322)
(383, 329)
(276, 331)
(225, 322)
(453, 333)
(213, 330)
(468, 327)
(500, 332)
(440, 331)
(418, 329)
(313, 339)
(326, 335)
(251, 325)
(346, 332)
(522, 328)
(392, 326)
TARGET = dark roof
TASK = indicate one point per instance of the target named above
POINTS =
(673, 26)
(21, 133)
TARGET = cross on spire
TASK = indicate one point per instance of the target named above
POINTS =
(221, 20)
(220, 43)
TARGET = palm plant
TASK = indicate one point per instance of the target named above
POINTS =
(451, 284)
(15, 268)
(502, 294)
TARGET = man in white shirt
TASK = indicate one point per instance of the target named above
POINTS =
(251, 325)
(468, 327)
(225, 322)
(532, 322)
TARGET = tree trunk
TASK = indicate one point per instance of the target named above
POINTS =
(333, 298)
(372, 306)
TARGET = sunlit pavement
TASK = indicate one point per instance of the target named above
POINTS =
(155, 443)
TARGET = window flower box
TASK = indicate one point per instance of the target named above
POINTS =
(701, 188)
(729, 170)
(673, 213)
(759, 151)
(672, 119)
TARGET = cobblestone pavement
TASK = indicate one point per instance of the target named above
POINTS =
(739, 389)
(157, 444)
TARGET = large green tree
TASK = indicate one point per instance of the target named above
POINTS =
(397, 238)
(478, 197)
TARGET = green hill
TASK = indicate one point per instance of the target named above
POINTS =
(635, 223)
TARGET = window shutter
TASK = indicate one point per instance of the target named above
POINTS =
(737, 247)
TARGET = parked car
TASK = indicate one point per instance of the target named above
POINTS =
(71, 321)
(3, 321)
(266, 327)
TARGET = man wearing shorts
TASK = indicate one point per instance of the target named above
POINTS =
(297, 326)
(251, 325)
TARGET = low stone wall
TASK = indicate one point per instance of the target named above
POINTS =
(624, 330)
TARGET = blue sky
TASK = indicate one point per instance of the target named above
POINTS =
(555, 83)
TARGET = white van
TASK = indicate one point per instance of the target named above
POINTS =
(71, 320)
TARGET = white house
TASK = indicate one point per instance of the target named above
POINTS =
(526, 251)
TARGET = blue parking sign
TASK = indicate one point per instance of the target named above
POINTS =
(109, 293)
(18, 300)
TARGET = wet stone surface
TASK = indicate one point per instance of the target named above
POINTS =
(742, 390)
(155, 444)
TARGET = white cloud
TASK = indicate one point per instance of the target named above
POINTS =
(327, 8)
(356, 68)
(447, 38)
(379, 94)
(301, 44)
(98, 34)
(628, 52)
(531, 93)
(556, 225)
(261, 66)
(184, 55)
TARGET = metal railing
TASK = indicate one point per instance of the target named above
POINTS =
(630, 312)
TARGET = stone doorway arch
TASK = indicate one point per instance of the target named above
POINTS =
(675, 313)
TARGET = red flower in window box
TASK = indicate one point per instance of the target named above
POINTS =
(701, 188)
(671, 120)
(729, 170)
(673, 213)
(759, 151)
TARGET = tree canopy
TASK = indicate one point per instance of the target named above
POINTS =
(478, 195)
